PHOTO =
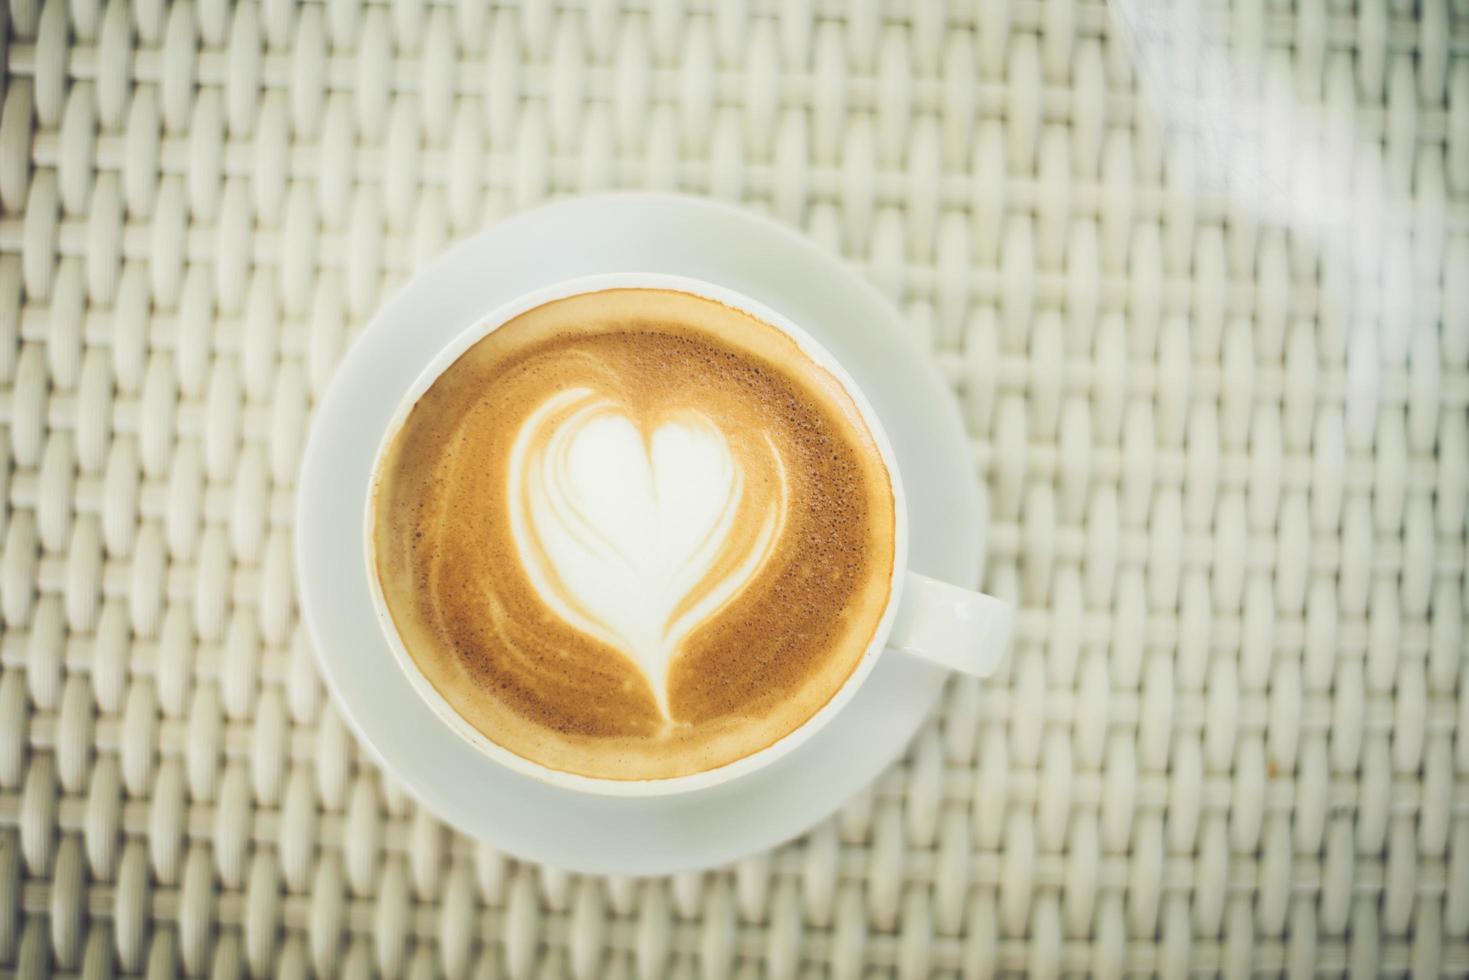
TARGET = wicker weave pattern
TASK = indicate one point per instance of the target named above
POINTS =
(1217, 376)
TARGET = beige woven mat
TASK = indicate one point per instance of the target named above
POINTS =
(1200, 275)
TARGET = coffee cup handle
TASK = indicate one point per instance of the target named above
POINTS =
(952, 627)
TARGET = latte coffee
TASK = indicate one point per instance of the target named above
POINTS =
(634, 534)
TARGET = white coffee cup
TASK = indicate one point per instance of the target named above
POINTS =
(944, 624)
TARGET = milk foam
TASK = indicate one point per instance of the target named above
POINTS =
(627, 533)
(634, 534)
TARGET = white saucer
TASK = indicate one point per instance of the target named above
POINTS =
(624, 233)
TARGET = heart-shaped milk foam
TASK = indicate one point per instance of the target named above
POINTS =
(635, 538)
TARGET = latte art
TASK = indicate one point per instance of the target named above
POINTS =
(637, 537)
(634, 534)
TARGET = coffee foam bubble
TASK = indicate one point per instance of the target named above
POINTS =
(634, 534)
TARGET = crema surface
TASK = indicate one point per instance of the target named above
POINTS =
(634, 534)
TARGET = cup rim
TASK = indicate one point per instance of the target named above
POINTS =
(708, 778)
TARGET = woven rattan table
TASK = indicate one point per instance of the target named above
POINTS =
(1199, 273)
